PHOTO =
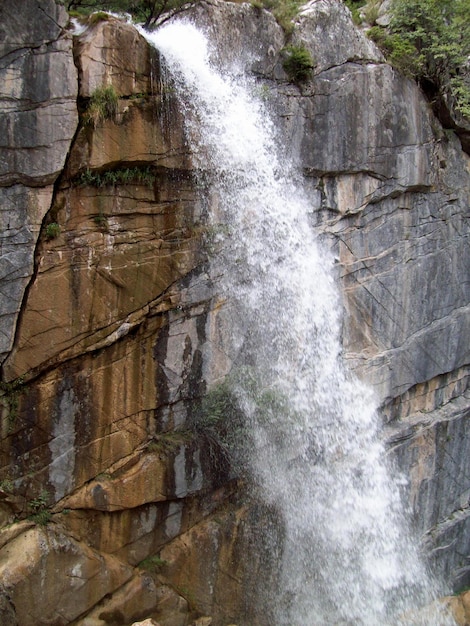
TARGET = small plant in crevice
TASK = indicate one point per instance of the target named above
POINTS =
(7, 485)
(97, 17)
(121, 176)
(212, 235)
(103, 476)
(189, 595)
(101, 221)
(152, 563)
(10, 394)
(285, 11)
(371, 11)
(298, 63)
(103, 105)
(263, 92)
(39, 510)
(218, 423)
(243, 410)
(52, 231)
(354, 6)
(169, 442)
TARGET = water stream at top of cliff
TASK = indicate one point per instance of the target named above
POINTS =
(314, 448)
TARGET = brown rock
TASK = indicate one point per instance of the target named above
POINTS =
(99, 53)
(38, 118)
(153, 477)
(46, 573)
(172, 609)
(93, 284)
(203, 621)
(135, 599)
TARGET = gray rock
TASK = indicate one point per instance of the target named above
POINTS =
(389, 192)
(325, 27)
(38, 118)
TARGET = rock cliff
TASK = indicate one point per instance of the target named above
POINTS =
(112, 508)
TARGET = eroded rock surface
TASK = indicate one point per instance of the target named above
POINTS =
(132, 515)
(38, 118)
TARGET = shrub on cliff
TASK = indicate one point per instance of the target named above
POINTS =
(429, 40)
(103, 105)
(298, 63)
(148, 12)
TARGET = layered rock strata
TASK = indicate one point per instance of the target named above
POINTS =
(113, 508)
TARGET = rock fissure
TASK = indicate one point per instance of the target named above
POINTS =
(120, 331)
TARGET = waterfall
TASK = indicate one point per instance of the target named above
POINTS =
(314, 449)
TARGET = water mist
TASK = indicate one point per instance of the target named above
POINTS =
(316, 455)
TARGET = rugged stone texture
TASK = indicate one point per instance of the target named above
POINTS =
(29, 566)
(393, 191)
(109, 343)
(320, 17)
(461, 608)
(120, 330)
(38, 118)
(100, 59)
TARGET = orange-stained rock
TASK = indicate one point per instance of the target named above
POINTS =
(136, 598)
(120, 251)
(121, 334)
(38, 120)
(46, 573)
(113, 52)
(146, 622)
(152, 477)
(134, 137)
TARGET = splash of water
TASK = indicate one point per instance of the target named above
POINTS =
(318, 458)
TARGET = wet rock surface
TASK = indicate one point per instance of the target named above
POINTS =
(111, 331)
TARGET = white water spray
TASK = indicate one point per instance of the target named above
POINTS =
(347, 559)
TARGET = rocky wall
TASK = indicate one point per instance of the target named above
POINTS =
(100, 468)
(112, 332)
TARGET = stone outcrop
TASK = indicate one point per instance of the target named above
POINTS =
(111, 333)
(399, 221)
(38, 118)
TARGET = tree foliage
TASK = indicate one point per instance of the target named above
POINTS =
(149, 12)
(429, 40)
(297, 63)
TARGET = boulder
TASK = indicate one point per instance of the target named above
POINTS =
(47, 573)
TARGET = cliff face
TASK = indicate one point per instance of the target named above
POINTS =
(112, 508)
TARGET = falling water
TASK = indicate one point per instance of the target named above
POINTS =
(347, 559)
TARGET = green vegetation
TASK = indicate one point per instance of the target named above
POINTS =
(40, 513)
(148, 12)
(10, 395)
(155, 12)
(189, 596)
(219, 423)
(223, 422)
(103, 105)
(7, 485)
(121, 176)
(354, 6)
(52, 231)
(103, 476)
(101, 221)
(429, 41)
(152, 563)
(371, 11)
(284, 11)
(98, 16)
(169, 441)
(298, 63)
